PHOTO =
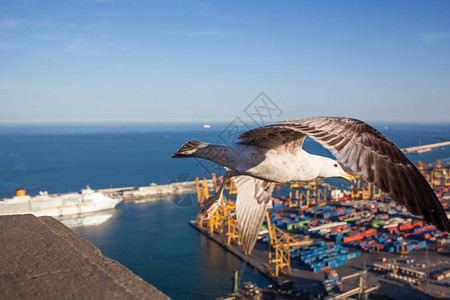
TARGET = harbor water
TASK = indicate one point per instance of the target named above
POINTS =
(152, 238)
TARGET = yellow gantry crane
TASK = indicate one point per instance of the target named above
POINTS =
(214, 223)
(280, 243)
(363, 189)
(202, 191)
(230, 223)
(304, 194)
(296, 197)
(437, 174)
(223, 221)
(317, 192)
(229, 220)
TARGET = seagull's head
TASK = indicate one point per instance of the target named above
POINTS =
(331, 168)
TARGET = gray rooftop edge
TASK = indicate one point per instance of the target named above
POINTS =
(40, 258)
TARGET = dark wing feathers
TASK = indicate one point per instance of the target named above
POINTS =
(367, 152)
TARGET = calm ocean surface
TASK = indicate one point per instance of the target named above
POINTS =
(153, 239)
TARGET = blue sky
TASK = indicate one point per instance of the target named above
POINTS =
(145, 61)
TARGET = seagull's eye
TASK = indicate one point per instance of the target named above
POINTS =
(335, 165)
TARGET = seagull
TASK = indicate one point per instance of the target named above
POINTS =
(273, 153)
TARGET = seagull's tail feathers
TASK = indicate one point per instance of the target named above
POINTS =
(189, 149)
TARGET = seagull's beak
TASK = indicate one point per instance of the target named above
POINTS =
(348, 177)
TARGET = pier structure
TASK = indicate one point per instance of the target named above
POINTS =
(425, 148)
(154, 190)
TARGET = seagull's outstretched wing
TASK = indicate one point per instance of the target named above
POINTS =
(272, 136)
(251, 204)
(368, 153)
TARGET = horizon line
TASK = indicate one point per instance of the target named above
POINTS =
(222, 121)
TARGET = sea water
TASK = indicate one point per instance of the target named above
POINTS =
(152, 238)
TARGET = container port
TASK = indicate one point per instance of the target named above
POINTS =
(323, 241)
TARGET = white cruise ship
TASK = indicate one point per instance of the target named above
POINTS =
(57, 205)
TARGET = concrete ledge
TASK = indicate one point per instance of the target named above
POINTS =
(40, 258)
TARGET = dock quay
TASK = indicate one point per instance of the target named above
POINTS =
(252, 260)
(309, 283)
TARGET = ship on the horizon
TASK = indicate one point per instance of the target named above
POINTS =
(57, 205)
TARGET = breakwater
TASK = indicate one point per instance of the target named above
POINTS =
(153, 190)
